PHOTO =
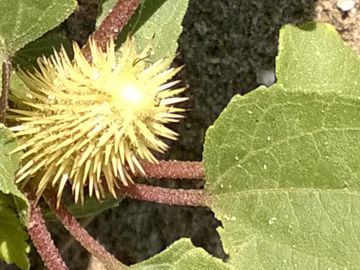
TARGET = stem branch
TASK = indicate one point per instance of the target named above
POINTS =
(42, 240)
(82, 236)
(174, 169)
(6, 71)
(112, 25)
(185, 197)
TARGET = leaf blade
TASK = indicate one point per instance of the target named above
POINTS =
(281, 163)
(24, 21)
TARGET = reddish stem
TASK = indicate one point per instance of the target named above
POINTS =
(42, 240)
(113, 23)
(82, 236)
(186, 197)
(169, 170)
(174, 169)
(6, 71)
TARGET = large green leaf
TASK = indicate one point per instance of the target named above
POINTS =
(156, 23)
(23, 21)
(182, 255)
(13, 206)
(283, 164)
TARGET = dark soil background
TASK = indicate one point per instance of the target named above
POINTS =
(228, 47)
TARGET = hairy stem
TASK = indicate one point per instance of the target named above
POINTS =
(67, 244)
(169, 170)
(185, 197)
(82, 236)
(6, 71)
(174, 169)
(112, 25)
(42, 240)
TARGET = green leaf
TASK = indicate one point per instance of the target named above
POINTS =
(13, 206)
(282, 163)
(13, 247)
(156, 23)
(182, 255)
(23, 21)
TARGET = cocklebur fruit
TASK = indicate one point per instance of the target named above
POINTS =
(89, 123)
